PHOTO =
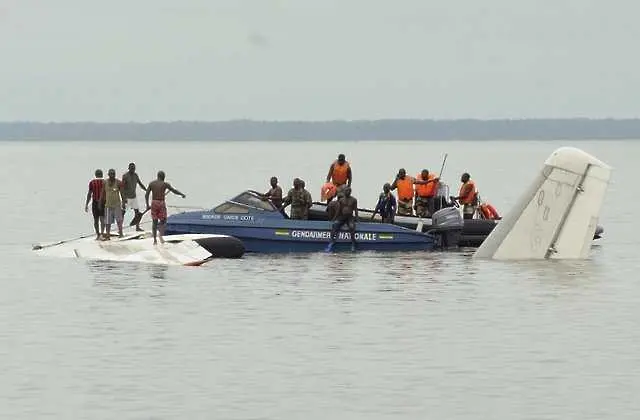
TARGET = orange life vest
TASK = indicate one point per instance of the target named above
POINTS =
(340, 173)
(470, 196)
(328, 191)
(405, 188)
(489, 212)
(426, 190)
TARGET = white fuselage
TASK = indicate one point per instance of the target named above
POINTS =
(133, 247)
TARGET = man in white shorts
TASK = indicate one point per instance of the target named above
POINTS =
(130, 181)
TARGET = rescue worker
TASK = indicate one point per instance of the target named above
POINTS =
(386, 205)
(404, 184)
(307, 198)
(467, 196)
(340, 172)
(426, 189)
(298, 201)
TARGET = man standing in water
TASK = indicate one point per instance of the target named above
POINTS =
(130, 181)
(347, 212)
(113, 198)
(158, 207)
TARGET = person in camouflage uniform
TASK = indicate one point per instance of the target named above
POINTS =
(308, 199)
(298, 200)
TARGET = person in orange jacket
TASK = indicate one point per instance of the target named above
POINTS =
(426, 189)
(467, 196)
(340, 172)
(404, 184)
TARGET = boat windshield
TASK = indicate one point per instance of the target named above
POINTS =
(242, 202)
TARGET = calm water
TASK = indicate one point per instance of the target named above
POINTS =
(346, 336)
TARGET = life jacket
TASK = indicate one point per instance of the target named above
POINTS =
(471, 196)
(405, 188)
(328, 191)
(426, 190)
(489, 212)
(340, 173)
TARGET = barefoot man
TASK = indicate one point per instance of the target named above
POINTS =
(347, 213)
(130, 181)
(158, 207)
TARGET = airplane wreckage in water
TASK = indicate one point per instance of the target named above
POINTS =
(555, 218)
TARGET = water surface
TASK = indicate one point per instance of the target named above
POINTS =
(345, 336)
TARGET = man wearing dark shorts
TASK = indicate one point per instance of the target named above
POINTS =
(157, 189)
(347, 206)
(97, 206)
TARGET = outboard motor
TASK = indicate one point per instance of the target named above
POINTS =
(442, 198)
(447, 225)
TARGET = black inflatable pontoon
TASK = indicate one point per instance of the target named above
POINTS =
(474, 232)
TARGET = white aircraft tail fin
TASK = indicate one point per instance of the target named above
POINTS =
(557, 216)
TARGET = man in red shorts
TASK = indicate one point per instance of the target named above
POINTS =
(97, 206)
(158, 189)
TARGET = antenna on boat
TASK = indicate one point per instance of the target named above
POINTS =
(442, 168)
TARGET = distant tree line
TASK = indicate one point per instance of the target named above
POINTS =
(390, 129)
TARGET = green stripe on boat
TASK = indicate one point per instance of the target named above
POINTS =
(384, 236)
(282, 232)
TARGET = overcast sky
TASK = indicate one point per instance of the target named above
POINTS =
(140, 60)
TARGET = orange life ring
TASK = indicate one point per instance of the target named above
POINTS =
(489, 212)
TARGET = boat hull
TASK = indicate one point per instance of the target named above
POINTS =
(311, 236)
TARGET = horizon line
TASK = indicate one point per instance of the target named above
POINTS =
(389, 119)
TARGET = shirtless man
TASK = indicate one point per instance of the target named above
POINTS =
(347, 212)
(158, 207)
(275, 193)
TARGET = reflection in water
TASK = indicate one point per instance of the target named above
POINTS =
(158, 280)
(566, 271)
(340, 267)
(123, 279)
(114, 279)
(158, 271)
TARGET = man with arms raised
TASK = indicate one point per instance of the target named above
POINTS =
(158, 207)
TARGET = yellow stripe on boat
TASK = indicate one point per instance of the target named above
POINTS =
(282, 232)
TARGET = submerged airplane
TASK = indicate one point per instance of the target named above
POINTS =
(187, 250)
(557, 216)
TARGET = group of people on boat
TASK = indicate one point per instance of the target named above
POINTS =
(417, 193)
(111, 197)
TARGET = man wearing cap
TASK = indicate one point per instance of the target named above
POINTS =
(340, 172)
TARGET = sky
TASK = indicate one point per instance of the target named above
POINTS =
(160, 60)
